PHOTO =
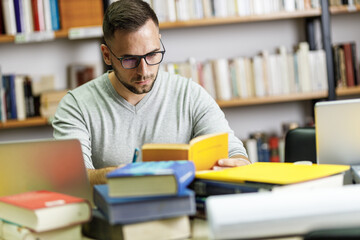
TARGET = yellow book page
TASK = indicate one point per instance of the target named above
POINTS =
(274, 173)
(206, 150)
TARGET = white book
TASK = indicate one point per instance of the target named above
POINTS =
(193, 67)
(258, 6)
(47, 15)
(291, 73)
(231, 8)
(285, 213)
(182, 10)
(250, 82)
(233, 79)
(171, 11)
(300, 5)
(160, 8)
(289, 5)
(208, 79)
(283, 70)
(240, 70)
(266, 72)
(28, 16)
(243, 8)
(258, 76)
(222, 79)
(207, 8)
(41, 15)
(16, 232)
(251, 148)
(323, 76)
(303, 67)
(313, 69)
(20, 97)
(9, 17)
(221, 9)
(273, 76)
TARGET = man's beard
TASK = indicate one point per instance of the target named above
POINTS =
(133, 89)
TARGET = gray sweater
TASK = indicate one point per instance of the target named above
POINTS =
(109, 128)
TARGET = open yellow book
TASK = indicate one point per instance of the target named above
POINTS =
(273, 173)
(204, 150)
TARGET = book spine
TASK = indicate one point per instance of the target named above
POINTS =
(55, 19)
(18, 15)
(349, 65)
(9, 17)
(35, 12)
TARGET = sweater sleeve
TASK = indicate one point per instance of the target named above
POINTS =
(69, 123)
(209, 118)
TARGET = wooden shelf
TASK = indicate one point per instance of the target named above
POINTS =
(230, 20)
(348, 91)
(272, 99)
(343, 9)
(29, 122)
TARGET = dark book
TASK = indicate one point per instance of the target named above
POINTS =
(19, 16)
(170, 228)
(336, 64)
(355, 63)
(205, 187)
(2, 27)
(140, 209)
(349, 65)
(29, 98)
(151, 179)
(10, 99)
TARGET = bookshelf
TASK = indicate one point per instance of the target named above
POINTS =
(29, 122)
(209, 24)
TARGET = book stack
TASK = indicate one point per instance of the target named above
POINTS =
(42, 215)
(265, 177)
(144, 199)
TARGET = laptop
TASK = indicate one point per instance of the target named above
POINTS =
(54, 165)
(337, 125)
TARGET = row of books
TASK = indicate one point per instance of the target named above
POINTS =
(350, 3)
(29, 16)
(43, 215)
(184, 10)
(262, 75)
(141, 197)
(346, 65)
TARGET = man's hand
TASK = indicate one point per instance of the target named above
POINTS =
(234, 161)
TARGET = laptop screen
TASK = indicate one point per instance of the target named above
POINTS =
(337, 125)
(54, 165)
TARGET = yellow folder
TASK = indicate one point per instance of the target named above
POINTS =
(273, 173)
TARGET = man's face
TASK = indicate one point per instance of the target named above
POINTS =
(141, 79)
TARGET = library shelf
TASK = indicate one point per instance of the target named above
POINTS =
(348, 91)
(272, 99)
(344, 9)
(238, 19)
(29, 122)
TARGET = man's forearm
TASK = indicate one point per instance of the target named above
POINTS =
(98, 176)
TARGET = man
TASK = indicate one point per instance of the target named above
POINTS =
(135, 103)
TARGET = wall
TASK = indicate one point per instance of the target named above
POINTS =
(200, 42)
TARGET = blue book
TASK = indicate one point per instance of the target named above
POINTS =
(158, 178)
(141, 209)
(19, 16)
(55, 18)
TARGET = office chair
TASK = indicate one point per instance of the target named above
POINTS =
(300, 145)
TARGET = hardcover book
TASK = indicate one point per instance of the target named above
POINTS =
(169, 228)
(203, 150)
(11, 231)
(151, 178)
(141, 209)
(44, 210)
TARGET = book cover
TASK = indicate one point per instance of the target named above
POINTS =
(203, 150)
(15, 232)
(19, 16)
(9, 17)
(170, 228)
(44, 210)
(274, 173)
(28, 16)
(141, 209)
(349, 65)
(151, 178)
(55, 18)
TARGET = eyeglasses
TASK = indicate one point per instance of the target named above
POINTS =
(133, 61)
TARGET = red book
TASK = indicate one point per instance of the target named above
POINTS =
(44, 210)
(35, 12)
(274, 149)
(349, 65)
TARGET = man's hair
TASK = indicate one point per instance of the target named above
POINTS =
(128, 15)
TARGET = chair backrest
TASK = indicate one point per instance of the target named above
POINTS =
(300, 145)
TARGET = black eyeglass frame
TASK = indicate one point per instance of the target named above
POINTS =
(139, 57)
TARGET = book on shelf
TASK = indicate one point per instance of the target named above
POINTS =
(44, 210)
(203, 150)
(282, 213)
(28, 16)
(19, 16)
(11, 231)
(160, 178)
(281, 176)
(119, 210)
(168, 228)
(79, 73)
(350, 78)
(38, 15)
(49, 102)
(9, 17)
